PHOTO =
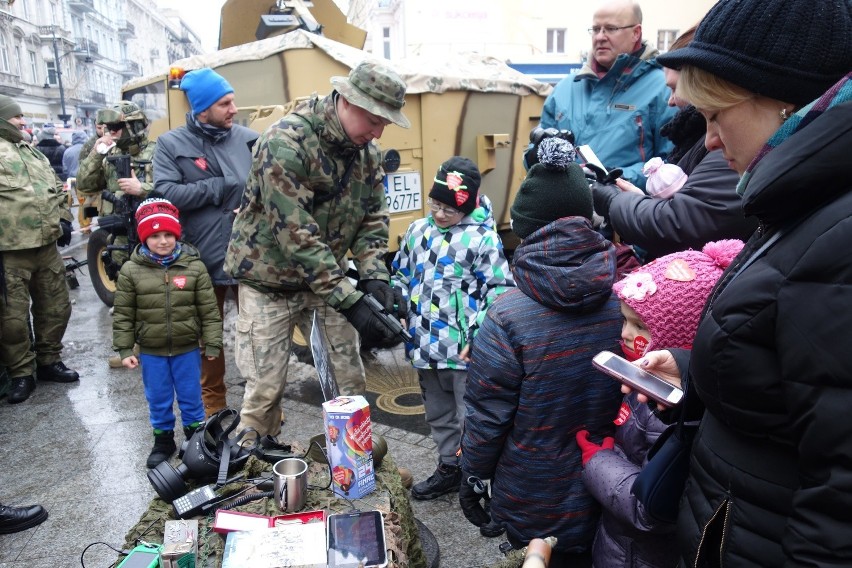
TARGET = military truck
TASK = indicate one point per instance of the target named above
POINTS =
(473, 105)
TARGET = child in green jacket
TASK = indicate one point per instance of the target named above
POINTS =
(164, 301)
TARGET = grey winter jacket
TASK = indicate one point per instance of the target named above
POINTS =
(626, 537)
(205, 180)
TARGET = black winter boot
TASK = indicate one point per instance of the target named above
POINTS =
(188, 431)
(446, 479)
(164, 448)
(20, 390)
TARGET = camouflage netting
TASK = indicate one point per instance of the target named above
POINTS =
(463, 72)
(403, 539)
(515, 558)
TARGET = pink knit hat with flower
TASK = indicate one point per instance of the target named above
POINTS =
(670, 292)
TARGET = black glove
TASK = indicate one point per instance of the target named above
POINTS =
(471, 491)
(390, 298)
(373, 332)
(603, 195)
(65, 239)
(604, 177)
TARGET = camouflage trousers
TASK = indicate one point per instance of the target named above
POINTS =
(264, 340)
(35, 284)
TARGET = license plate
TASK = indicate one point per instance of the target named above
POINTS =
(403, 192)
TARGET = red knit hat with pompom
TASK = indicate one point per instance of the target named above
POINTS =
(154, 215)
(669, 293)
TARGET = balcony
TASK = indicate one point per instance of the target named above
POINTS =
(129, 69)
(81, 6)
(126, 29)
(11, 84)
(86, 49)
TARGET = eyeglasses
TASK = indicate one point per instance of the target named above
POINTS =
(448, 211)
(608, 30)
(115, 126)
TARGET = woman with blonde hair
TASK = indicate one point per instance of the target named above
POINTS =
(770, 480)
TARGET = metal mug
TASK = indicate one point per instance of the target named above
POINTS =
(290, 477)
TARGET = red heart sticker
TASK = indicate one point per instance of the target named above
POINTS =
(461, 197)
(623, 414)
(640, 345)
(201, 163)
(179, 281)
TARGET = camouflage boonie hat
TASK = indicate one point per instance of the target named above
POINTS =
(101, 117)
(375, 88)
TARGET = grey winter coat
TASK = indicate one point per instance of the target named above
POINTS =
(205, 180)
(626, 537)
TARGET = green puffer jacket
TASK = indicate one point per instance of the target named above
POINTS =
(296, 223)
(166, 310)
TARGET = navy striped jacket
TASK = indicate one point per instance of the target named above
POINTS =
(531, 384)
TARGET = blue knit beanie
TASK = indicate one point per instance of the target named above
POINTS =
(204, 87)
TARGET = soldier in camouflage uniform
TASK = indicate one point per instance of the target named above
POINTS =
(314, 193)
(33, 219)
(125, 126)
(90, 203)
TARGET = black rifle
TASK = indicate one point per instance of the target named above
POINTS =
(390, 322)
(71, 265)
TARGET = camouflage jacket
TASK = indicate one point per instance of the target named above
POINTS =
(31, 198)
(297, 220)
(96, 173)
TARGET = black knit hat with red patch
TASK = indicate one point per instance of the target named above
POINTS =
(457, 184)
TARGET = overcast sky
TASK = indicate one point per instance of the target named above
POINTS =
(202, 16)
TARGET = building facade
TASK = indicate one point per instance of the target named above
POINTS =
(540, 31)
(62, 60)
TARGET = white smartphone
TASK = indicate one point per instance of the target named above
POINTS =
(356, 540)
(648, 384)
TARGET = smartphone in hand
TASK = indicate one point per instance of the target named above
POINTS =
(650, 385)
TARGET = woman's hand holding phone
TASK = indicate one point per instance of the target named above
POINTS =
(660, 363)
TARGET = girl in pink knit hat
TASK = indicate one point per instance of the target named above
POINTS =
(661, 303)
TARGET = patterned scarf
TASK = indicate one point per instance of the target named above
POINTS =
(165, 260)
(841, 92)
(216, 133)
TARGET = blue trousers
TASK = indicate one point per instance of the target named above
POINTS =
(165, 377)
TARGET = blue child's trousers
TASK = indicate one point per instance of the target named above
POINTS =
(165, 377)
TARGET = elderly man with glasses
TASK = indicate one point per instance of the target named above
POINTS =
(618, 101)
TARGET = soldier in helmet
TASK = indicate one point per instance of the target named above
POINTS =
(125, 133)
(90, 203)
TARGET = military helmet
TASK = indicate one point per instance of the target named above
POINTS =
(124, 111)
(135, 120)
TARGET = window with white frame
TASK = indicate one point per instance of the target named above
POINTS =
(556, 40)
(33, 67)
(4, 54)
(665, 39)
(19, 63)
(386, 42)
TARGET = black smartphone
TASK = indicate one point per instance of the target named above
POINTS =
(356, 540)
(647, 383)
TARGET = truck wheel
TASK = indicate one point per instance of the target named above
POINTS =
(104, 287)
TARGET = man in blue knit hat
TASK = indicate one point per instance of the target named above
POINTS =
(202, 168)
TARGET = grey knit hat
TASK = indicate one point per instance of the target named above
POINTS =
(788, 50)
(554, 188)
(9, 108)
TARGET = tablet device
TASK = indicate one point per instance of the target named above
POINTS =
(356, 540)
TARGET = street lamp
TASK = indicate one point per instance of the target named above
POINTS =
(64, 116)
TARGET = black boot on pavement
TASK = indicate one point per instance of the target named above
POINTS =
(164, 448)
(56, 373)
(188, 431)
(446, 479)
(22, 388)
(16, 519)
